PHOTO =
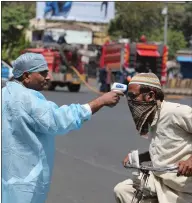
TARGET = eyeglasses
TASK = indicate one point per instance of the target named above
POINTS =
(43, 73)
(132, 96)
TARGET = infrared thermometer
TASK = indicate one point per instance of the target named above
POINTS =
(119, 87)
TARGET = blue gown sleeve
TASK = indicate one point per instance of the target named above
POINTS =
(51, 119)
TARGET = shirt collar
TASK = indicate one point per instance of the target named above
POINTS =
(157, 114)
(18, 82)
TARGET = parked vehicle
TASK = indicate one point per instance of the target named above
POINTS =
(6, 73)
(119, 62)
(184, 58)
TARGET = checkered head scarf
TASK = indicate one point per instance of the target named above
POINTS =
(141, 110)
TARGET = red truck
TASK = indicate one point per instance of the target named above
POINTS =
(59, 67)
(120, 61)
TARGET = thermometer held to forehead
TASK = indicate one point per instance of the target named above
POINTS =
(119, 87)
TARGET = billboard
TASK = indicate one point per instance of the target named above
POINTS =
(98, 12)
(71, 36)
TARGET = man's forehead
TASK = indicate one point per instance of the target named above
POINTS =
(135, 88)
(42, 72)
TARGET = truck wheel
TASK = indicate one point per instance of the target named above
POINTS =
(74, 88)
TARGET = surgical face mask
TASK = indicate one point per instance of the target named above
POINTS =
(141, 112)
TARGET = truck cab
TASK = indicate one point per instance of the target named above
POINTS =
(120, 61)
(59, 63)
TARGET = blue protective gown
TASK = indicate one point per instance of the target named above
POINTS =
(29, 124)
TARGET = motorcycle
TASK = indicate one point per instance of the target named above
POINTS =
(140, 184)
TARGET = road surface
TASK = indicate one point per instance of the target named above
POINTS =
(88, 161)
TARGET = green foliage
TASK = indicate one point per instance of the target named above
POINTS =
(15, 19)
(187, 23)
(176, 40)
(134, 19)
(12, 51)
(176, 16)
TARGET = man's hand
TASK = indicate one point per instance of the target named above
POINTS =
(185, 167)
(142, 158)
(111, 98)
(126, 160)
(107, 99)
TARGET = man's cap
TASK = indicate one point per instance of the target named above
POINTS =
(149, 79)
(29, 62)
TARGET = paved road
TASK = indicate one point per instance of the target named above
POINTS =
(88, 162)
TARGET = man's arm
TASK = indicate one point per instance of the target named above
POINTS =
(108, 99)
(182, 117)
(142, 158)
(51, 119)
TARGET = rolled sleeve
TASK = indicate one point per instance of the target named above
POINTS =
(87, 107)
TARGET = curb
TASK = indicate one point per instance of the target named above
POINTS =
(178, 91)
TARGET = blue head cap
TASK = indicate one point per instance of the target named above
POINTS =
(29, 62)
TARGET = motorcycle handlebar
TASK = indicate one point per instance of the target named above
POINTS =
(173, 169)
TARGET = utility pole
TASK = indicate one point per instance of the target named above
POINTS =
(165, 13)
